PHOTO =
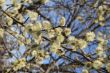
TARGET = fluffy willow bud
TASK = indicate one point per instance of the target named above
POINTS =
(58, 31)
(46, 25)
(19, 64)
(71, 39)
(101, 40)
(85, 71)
(51, 33)
(55, 46)
(1, 33)
(34, 53)
(9, 20)
(1, 2)
(101, 23)
(19, 17)
(90, 36)
(62, 21)
(97, 64)
(67, 31)
(17, 6)
(60, 38)
(101, 18)
(100, 51)
(20, 43)
(82, 43)
(101, 8)
(36, 27)
(28, 41)
(44, 1)
(32, 15)
(38, 39)
(28, 27)
(13, 12)
(108, 67)
(80, 18)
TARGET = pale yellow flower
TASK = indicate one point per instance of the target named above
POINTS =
(55, 46)
(1, 2)
(15, 68)
(100, 51)
(90, 36)
(22, 62)
(21, 37)
(97, 64)
(101, 54)
(100, 59)
(105, 7)
(17, 6)
(101, 37)
(51, 33)
(67, 31)
(20, 18)
(20, 43)
(60, 38)
(39, 60)
(38, 39)
(28, 26)
(46, 25)
(36, 27)
(101, 8)
(81, 43)
(29, 1)
(58, 31)
(101, 23)
(1, 48)
(32, 15)
(44, 1)
(28, 41)
(96, 20)
(46, 54)
(62, 21)
(34, 53)
(101, 18)
(19, 64)
(101, 40)
(99, 48)
(71, 39)
(85, 71)
(1, 33)
(80, 18)
(12, 12)
(39, 54)
(100, 34)
(108, 67)
(9, 20)
(14, 1)
(74, 48)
